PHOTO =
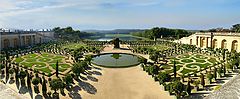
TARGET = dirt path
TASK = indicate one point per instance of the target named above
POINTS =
(126, 83)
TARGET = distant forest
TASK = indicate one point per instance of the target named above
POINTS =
(234, 28)
(157, 32)
(69, 34)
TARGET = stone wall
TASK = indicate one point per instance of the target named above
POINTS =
(14, 39)
(221, 40)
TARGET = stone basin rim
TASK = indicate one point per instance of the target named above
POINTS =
(138, 56)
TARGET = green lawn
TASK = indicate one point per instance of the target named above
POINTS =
(165, 66)
(186, 60)
(45, 70)
(160, 47)
(199, 64)
(41, 62)
(192, 62)
(184, 56)
(171, 70)
(186, 71)
(25, 64)
(30, 56)
(58, 57)
(74, 45)
(44, 59)
(176, 61)
(118, 35)
(212, 60)
(31, 60)
(38, 64)
(200, 56)
(47, 55)
(198, 60)
(19, 59)
(60, 68)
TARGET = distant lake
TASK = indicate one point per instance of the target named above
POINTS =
(109, 37)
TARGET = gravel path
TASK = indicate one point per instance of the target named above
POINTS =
(126, 83)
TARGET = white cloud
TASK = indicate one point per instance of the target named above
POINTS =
(7, 5)
(106, 13)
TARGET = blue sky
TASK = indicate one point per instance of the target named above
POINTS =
(119, 14)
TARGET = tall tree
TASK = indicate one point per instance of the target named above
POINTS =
(202, 80)
(44, 86)
(56, 84)
(178, 88)
(77, 69)
(68, 79)
(22, 76)
(188, 88)
(88, 58)
(163, 77)
(29, 80)
(174, 69)
(210, 77)
(35, 82)
(57, 68)
(236, 28)
(6, 62)
(215, 73)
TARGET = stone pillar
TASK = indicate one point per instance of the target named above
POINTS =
(197, 40)
(200, 41)
(33, 40)
(207, 41)
(23, 41)
(11, 42)
(30, 40)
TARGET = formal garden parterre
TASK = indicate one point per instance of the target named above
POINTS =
(45, 62)
(178, 67)
(190, 63)
(203, 68)
(51, 66)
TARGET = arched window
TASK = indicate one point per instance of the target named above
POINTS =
(15, 42)
(28, 39)
(190, 41)
(6, 43)
(234, 45)
(40, 40)
(224, 44)
(214, 43)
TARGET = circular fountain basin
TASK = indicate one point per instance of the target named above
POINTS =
(116, 60)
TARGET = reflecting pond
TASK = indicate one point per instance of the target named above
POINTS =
(115, 60)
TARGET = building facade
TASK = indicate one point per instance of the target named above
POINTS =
(219, 40)
(14, 39)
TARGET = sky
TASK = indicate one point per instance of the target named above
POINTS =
(119, 14)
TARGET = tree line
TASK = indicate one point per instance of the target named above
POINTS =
(157, 32)
(234, 28)
(69, 33)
